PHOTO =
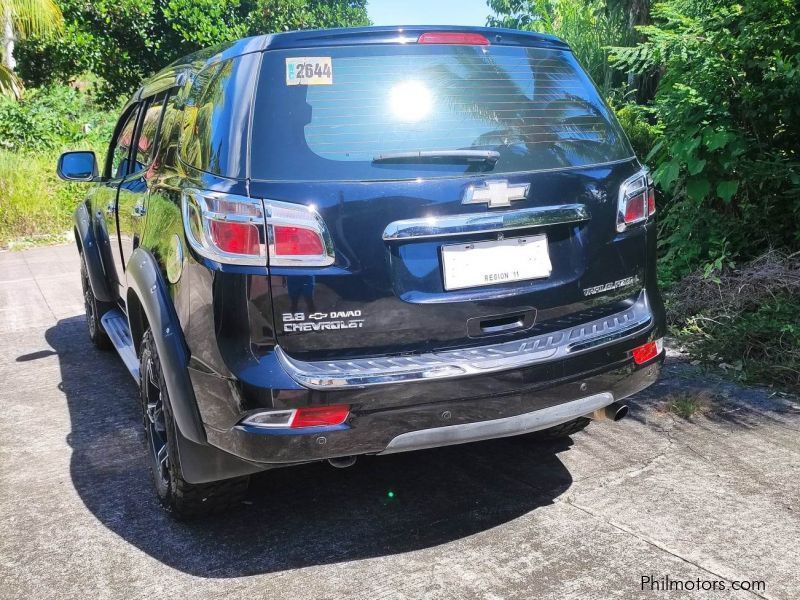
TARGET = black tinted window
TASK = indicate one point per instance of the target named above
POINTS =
(217, 115)
(122, 146)
(146, 143)
(534, 106)
(170, 131)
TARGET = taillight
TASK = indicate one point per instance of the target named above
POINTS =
(648, 351)
(245, 231)
(225, 228)
(637, 200)
(294, 241)
(299, 418)
(297, 236)
(453, 37)
(236, 238)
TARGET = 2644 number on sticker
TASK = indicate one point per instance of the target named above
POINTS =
(309, 70)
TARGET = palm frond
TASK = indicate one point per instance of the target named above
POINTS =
(33, 17)
(10, 85)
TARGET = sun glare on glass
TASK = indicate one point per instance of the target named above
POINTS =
(410, 101)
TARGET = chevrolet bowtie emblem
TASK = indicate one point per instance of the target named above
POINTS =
(495, 193)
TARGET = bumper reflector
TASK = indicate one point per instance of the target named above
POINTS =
(320, 416)
(297, 418)
(648, 351)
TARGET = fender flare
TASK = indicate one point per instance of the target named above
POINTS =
(200, 461)
(145, 281)
(91, 255)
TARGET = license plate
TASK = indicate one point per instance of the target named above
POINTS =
(500, 261)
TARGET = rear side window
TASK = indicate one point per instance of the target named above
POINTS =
(146, 143)
(216, 117)
(170, 131)
(122, 146)
(535, 106)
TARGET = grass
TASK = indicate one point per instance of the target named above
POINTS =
(35, 206)
(745, 321)
(684, 405)
(693, 403)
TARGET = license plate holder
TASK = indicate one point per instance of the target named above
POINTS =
(479, 264)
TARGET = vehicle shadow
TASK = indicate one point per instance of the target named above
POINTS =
(294, 517)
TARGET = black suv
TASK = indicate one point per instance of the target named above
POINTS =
(319, 244)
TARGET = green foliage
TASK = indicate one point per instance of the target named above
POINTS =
(638, 123)
(588, 26)
(729, 106)
(23, 18)
(52, 117)
(746, 319)
(33, 201)
(33, 132)
(124, 41)
(761, 345)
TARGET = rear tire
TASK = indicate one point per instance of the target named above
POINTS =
(182, 499)
(94, 309)
(564, 430)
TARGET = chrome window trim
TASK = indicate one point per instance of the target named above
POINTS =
(489, 222)
(446, 364)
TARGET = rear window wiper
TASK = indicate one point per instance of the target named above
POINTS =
(450, 156)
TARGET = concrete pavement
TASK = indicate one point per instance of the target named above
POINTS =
(713, 498)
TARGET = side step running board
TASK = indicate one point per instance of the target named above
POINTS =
(116, 325)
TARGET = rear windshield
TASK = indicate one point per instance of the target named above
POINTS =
(534, 107)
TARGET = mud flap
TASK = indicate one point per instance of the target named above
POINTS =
(203, 463)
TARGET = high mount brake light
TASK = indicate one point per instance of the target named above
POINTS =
(299, 418)
(453, 37)
(637, 200)
(237, 230)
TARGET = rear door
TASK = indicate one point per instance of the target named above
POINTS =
(470, 192)
(133, 189)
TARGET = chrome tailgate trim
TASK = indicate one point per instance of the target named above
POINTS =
(463, 224)
(445, 364)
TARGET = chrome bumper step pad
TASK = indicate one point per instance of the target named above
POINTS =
(363, 372)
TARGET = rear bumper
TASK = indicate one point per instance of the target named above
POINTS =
(430, 421)
(407, 403)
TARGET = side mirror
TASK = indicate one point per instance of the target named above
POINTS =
(80, 165)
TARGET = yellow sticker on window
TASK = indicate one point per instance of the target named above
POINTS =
(309, 70)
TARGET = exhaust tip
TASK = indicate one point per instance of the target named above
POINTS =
(616, 411)
(613, 412)
(342, 462)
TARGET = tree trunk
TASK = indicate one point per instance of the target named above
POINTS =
(8, 40)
